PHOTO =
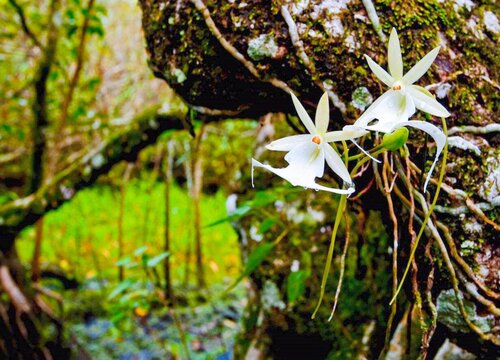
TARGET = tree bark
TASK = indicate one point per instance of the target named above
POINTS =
(242, 59)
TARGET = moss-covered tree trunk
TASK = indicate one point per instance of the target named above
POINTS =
(236, 58)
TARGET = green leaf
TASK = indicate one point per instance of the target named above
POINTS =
(238, 213)
(96, 30)
(124, 261)
(267, 224)
(256, 257)
(263, 198)
(157, 259)
(140, 251)
(124, 285)
(296, 285)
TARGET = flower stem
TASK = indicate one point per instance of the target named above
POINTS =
(428, 215)
(340, 210)
(365, 159)
(338, 217)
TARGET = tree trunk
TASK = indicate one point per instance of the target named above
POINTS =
(167, 175)
(197, 187)
(242, 59)
(121, 215)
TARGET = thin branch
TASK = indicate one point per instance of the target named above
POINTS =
(201, 7)
(12, 156)
(472, 290)
(486, 129)
(301, 53)
(459, 210)
(218, 112)
(121, 214)
(80, 57)
(431, 328)
(460, 194)
(363, 191)
(451, 269)
(463, 264)
(395, 231)
(15, 294)
(297, 43)
(449, 239)
(373, 16)
(24, 24)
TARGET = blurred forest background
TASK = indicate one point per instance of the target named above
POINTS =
(127, 215)
(69, 83)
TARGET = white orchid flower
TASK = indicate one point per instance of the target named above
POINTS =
(400, 101)
(307, 152)
(394, 108)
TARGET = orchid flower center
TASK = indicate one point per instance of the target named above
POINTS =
(397, 86)
(316, 139)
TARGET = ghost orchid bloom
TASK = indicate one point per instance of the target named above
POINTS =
(393, 109)
(399, 102)
(307, 152)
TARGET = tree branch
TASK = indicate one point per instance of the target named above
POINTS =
(24, 24)
(143, 130)
(301, 53)
(76, 74)
(41, 118)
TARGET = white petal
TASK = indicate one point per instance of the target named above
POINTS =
(315, 186)
(288, 173)
(303, 115)
(364, 151)
(288, 143)
(421, 67)
(436, 134)
(395, 60)
(347, 133)
(407, 108)
(424, 101)
(308, 158)
(373, 111)
(298, 178)
(379, 72)
(322, 114)
(336, 164)
(391, 108)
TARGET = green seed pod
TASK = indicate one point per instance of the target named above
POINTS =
(396, 139)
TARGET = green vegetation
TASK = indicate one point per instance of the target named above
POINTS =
(81, 235)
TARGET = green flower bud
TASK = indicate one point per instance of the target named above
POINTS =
(395, 139)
